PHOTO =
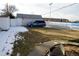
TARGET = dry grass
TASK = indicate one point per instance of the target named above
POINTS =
(71, 50)
(40, 35)
(67, 33)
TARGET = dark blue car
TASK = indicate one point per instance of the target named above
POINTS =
(37, 23)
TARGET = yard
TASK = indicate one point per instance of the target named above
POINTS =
(35, 36)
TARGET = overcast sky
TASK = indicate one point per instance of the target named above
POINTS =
(41, 7)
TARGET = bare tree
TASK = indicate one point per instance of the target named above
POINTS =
(9, 10)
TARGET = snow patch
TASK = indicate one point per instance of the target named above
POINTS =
(62, 25)
(7, 39)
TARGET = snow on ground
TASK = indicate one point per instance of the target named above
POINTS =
(58, 25)
(7, 38)
(74, 27)
(61, 25)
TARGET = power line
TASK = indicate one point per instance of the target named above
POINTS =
(61, 8)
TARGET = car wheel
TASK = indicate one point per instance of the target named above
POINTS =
(30, 25)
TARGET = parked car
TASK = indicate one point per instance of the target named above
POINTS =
(37, 23)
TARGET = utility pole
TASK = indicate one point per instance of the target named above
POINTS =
(50, 5)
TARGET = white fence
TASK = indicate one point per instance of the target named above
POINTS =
(15, 22)
(4, 23)
(26, 21)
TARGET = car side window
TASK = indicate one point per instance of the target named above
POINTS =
(39, 22)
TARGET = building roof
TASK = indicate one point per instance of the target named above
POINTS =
(29, 16)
